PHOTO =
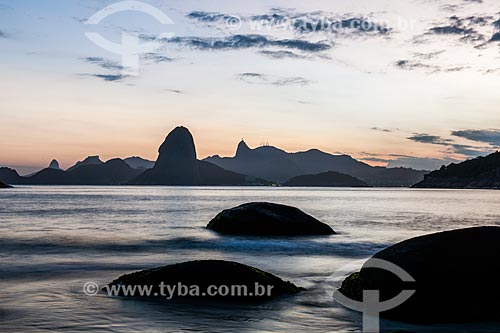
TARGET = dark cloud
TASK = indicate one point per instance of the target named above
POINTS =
(426, 138)
(453, 147)
(109, 77)
(490, 136)
(104, 63)
(281, 54)
(462, 27)
(3, 34)
(157, 58)
(496, 24)
(410, 65)
(257, 78)
(236, 42)
(413, 64)
(495, 37)
(209, 17)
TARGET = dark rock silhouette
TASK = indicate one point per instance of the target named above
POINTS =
(177, 165)
(3, 185)
(481, 172)
(205, 273)
(113, 172)
(326, 179)
(10, 176)
(136, 162)
(90, 160)
(267, 219)
(456, 274)
(54, 165)
(277, 165)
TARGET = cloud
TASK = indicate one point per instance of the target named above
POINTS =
(103, 63)
(3, 34)
(109, 77)
(156, 58)
(495, 37)
(452, 147)
(210, 17)
(175, 91)
(410, 65)
(257, 78)
(426, 138)
(462, 27)
(281, 54)
(385, 130)
(496, 24)
(236, 42)
(490, 136)
(313, 22)
(413, 65)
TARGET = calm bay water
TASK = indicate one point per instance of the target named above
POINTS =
(54, 239)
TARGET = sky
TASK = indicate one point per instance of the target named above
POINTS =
(389, 82)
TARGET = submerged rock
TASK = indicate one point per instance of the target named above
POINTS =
(267, 219)
(457, 276)
(204, 277)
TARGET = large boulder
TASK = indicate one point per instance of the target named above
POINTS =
(267, 219)
(204, 277)
(457, 276)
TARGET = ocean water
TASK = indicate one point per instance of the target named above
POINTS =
(55, 239)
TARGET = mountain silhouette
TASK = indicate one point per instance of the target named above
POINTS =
(326, 179)
(113, 172)
(136, 162)
(90, 160)
(54, 164)
(275, 164)
(10, 176)
(481, 172)
(177, 164)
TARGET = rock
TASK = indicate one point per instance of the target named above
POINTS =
(267, 219)
(457, 276)
(326, 179)
(54, 165)
(198, 276)
(3, 185)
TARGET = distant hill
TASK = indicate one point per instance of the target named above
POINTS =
(113, 172)
(326, 179)
(481, 172)
(136, 162)
(90, 160)
(177, 165)
(10, 176)
(275, 164)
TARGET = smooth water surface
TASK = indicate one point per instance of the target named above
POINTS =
(55, 239)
